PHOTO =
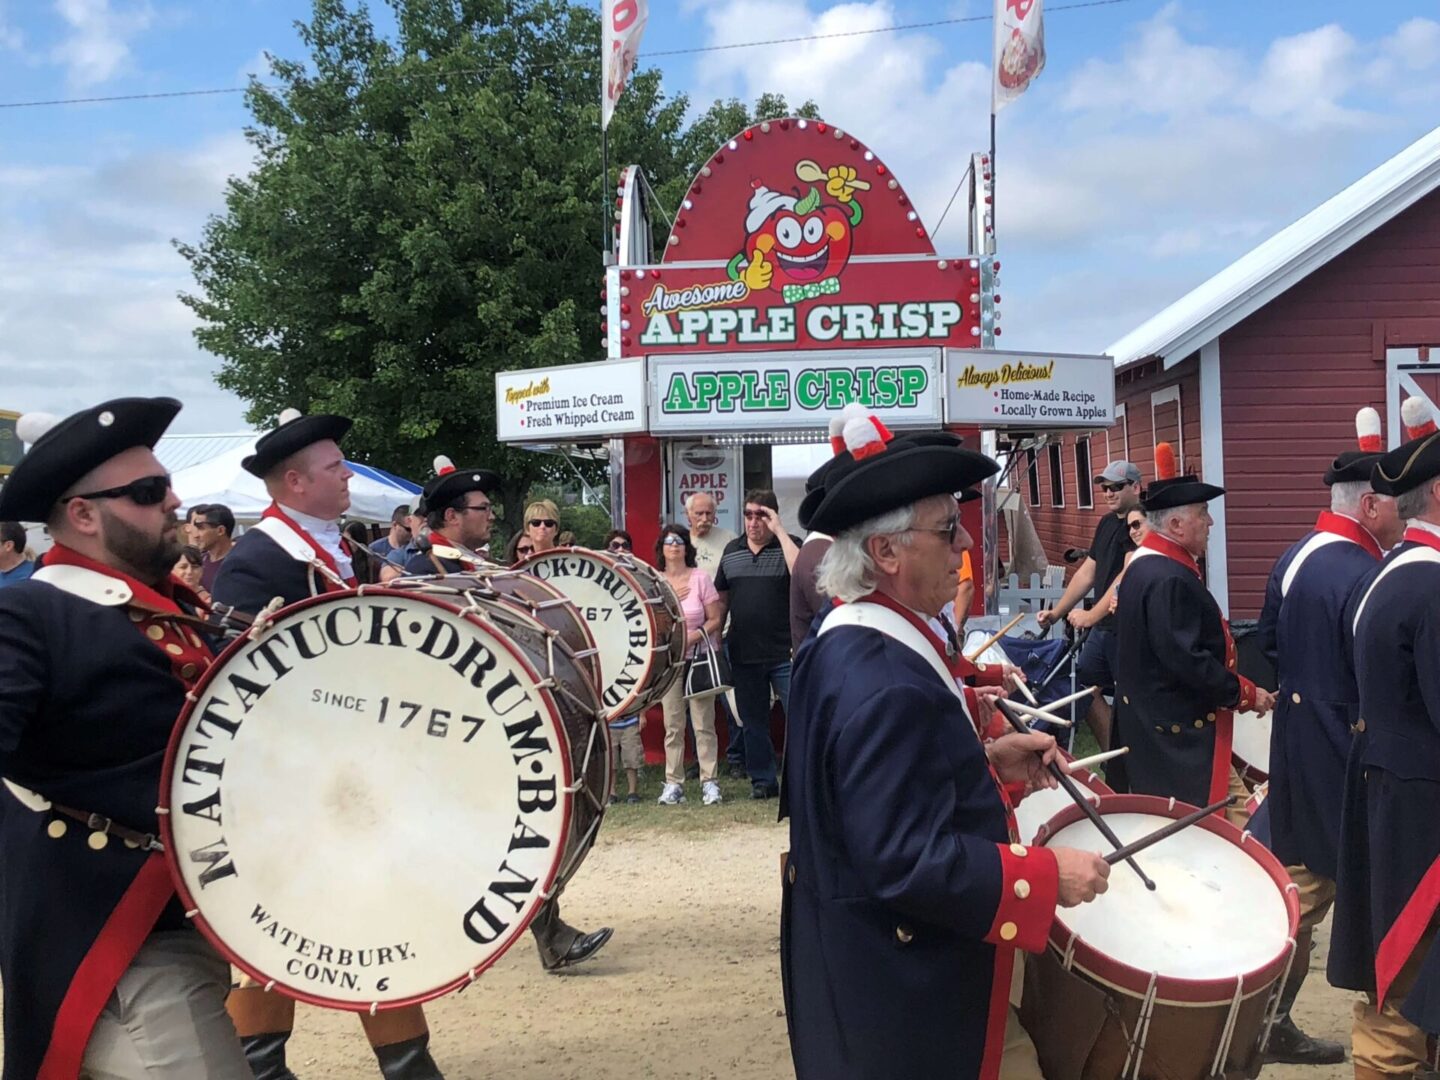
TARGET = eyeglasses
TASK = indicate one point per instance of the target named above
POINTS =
(619, 545)
(549, 523)
(483, 507)
(1112, 488)
(147, 491)
(950, 530)
(674, 541)
(754, 515)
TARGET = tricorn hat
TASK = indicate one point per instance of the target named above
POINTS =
(878, 472)
(450, 483)
(1358, 464)
(1414, 462)
(293, 434)
(1168, 491)
(62, 451)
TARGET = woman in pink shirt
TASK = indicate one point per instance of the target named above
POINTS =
(675, 557)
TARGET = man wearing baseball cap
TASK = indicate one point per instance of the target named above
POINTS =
(103, 974)
(1119, 486)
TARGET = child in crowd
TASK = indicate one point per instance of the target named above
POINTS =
(628, 753)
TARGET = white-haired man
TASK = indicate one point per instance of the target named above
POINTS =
(1302, 630)
(1388, 877)
(709, 538)
(904, 898)
(1175, 679)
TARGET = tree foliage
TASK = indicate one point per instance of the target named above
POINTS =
(426, 211)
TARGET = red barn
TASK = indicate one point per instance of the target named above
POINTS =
(1255, 376)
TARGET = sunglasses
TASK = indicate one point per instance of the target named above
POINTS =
(1112, 488)
(949, 530)
(147, 491)
(619, 545)
(1133, 525)
(524, 551)
(549, 523)
(674, 541)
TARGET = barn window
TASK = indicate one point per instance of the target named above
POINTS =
(1084, 484)
(1057, 476)
(1032, 477)
(1166, 421)
(1117, 438)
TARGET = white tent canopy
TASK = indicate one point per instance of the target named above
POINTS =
(206, 469)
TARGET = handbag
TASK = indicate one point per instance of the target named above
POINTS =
(707, 671)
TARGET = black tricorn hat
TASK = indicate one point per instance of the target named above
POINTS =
(1168, 491)
(450, 483)
(63, 451)
(1403, 469)
(1355, 465)
(880, 473)
(294, 433)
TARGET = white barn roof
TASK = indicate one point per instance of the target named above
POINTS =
(1256, 278)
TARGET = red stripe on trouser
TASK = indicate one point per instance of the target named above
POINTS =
(115, 947)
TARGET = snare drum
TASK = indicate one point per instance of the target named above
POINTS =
(1177, 984)
(367, 797)
(634, 616)
(1040, 806)
(1250, 747)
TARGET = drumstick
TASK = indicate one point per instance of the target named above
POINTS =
(1040, 714)
(1167, 830)
(1024, 688)
(972, 657)
(1007, 710)
(1069, 698)
(1095, 759)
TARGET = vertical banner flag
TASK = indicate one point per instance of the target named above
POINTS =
(1019, 49)
(624, 23)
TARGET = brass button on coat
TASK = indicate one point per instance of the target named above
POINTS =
(1022, 889)
(904, 935)
(1295, 697)
(1359, 727)
(98, 840)
(790, 873)
(1009, 931)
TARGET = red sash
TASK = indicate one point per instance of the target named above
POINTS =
(1224, 717)
(1405, 933)
(1350, 529)
(134, 916)
(274, 511)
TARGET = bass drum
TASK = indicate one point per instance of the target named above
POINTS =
(1040, 806)
(1181, 983)
(633, 614)
(1250, 747)
(369, 795)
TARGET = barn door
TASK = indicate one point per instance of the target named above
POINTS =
(1409, 372)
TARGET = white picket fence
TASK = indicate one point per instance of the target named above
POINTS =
(1042, 592)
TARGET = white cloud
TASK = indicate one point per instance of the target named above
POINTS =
(97, 46)
(10, 36)
(88, 281)
(258, 66)
(1303, 78)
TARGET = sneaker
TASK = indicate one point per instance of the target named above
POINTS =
(633, 799)
(672, 795)
(710, 793)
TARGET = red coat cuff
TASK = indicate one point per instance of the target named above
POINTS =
(1247, 695)
(987, 675)
(1029, 888)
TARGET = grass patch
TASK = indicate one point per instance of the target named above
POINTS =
(690, 816)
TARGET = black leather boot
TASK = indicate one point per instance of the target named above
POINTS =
(408, 1060)
(1288, 1045)
(265, 1055)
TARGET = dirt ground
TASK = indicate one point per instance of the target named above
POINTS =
(688, 987)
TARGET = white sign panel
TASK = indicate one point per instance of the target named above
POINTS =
(1028, 390)
(774, 391)
(716, 471)
(573, 401)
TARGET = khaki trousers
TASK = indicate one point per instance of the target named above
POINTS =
(702, 719)
(1019, 1060)
(1384, 1043)
(1316, 895)
(166, 1018)
(1235, 813)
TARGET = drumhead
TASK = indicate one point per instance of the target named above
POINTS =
(1250, 745)
(628, 618)
(366, 801)
(1219, 910)
(1040, 806)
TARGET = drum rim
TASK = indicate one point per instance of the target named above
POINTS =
(634, 699)
(1132, 980)
(201, 923)
(1091, 781)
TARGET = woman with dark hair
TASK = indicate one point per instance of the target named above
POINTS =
(520, 545)
(618, 542)
(365, 561)
(675, 557)
(188, 569)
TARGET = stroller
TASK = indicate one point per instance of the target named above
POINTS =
(1047, 660)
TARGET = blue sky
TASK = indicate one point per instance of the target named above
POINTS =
(1162, 141)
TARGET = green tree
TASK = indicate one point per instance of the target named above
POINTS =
(424, 212)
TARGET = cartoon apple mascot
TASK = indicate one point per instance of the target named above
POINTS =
(799, 246)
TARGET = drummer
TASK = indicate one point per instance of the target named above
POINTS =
(1382, 941)
(294, 552)
(904, 899)
(1175, 678)
(95, 661)
(459, 517)
(1302, 630)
